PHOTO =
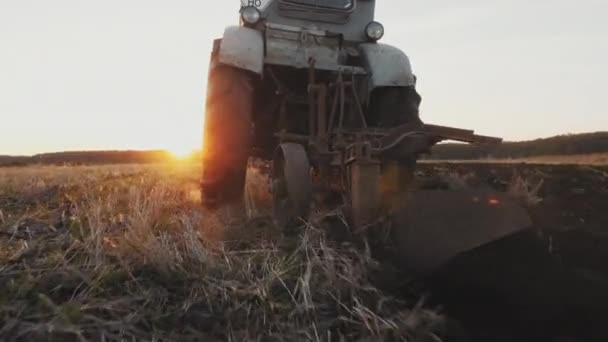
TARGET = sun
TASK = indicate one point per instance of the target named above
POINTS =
(183, 141)
(181, 152)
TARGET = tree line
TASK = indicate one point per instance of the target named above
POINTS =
(570, 144)
(88, 158)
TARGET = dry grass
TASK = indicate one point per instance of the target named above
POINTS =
(125, 254)
(524, 191)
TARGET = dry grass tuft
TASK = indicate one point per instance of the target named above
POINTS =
(525, 191)
(124, 253)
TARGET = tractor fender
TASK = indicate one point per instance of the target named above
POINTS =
(243, 48)
(388, 65)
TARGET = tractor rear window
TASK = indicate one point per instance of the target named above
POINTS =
(329, 4)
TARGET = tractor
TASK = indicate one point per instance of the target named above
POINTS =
(307, 86)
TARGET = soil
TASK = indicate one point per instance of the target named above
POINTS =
(547, 284)
(573, 211)
(512, 289)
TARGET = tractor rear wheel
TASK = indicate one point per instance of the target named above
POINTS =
(380, 190)
(392, 107)
(227, 136)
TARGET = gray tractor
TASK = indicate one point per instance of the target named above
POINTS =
(307, 85)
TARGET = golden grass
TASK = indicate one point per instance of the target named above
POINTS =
(125, 253)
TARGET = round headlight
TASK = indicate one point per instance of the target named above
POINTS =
(250, 15)
(374, 30)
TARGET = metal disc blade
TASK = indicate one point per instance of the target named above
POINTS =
(437, 226)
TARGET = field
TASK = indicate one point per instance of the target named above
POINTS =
(113, 253)
(590, 159)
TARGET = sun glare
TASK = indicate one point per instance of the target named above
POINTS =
(181, 152)
(183, 145)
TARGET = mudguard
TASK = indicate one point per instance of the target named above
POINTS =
(389, 66)
(243, 48)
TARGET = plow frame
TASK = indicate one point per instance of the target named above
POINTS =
(363, 166)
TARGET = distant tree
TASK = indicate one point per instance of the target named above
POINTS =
(560, 145)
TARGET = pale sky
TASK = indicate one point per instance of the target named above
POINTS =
(130, 74)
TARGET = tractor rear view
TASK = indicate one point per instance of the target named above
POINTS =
(306, 85)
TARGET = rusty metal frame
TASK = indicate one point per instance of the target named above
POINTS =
(356, 156)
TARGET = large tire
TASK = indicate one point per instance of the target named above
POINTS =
(227, 135)
(391, 107)
(394, 106)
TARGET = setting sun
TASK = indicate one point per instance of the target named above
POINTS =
(182, 152)
(184, 139)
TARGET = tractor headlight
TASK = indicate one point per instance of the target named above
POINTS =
(374, 31)
(250, 15)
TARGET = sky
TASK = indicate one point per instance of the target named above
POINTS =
(116, 74)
